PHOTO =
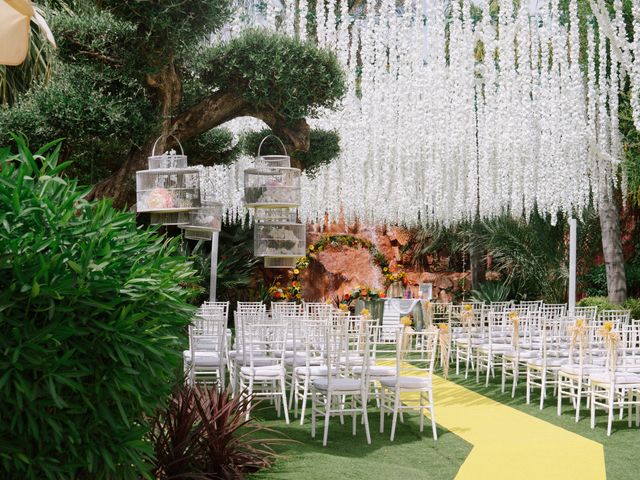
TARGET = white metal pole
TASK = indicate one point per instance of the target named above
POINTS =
(214, 266)
(573, 241)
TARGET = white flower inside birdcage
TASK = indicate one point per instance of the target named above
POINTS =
(280, 262)
(168, 190)
(272, 187)
(279, 239)
(204, 221)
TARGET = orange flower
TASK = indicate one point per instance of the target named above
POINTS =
(382, 295)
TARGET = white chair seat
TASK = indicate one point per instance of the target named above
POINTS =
(620, 378)
(376, 371)
(338, 384)
(407, 382)
(552, 363)
(352, 360)
(522, 355)
(314, 371)
(494, 347)
(586, 369)
(257, 361)
(266, 372)
(203, 358)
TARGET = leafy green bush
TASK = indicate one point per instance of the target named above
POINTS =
(291, 76)
(491, 291)
(92, 314)
(633, 304)
(601, 302)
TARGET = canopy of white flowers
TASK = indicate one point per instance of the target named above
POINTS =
(451, 112)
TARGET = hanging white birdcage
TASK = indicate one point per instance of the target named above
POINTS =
(168, 190)
(279, 239)
(272, 161)
(171, 187)
(278, 215)
(204, 221)
(168, 159)
(171, 218)
(272, 187)
(272, 183)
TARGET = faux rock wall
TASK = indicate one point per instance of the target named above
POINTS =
(338, 270)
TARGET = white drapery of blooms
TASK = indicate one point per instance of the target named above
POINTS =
(450, 113)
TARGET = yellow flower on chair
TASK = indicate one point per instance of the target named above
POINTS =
(608, 326)
(579, 322)
(343, 307)
(468, 307)
(444, 328)
(406, 321)
(364, 312)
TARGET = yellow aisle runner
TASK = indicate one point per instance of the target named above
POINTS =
(509, 444)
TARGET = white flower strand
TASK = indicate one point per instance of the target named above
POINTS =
(430, 131)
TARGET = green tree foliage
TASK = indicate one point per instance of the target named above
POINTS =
(92, 319)
(287, 74)
(128, 71)
(324, 146)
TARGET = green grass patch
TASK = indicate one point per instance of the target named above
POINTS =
(412, 455)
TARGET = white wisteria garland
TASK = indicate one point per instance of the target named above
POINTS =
(432, 131)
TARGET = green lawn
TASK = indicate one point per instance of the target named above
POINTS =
(416, 456)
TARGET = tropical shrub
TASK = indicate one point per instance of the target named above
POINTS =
(602, 303)
(491, 291)
(92, 314)
(633, 304)
(202, 433)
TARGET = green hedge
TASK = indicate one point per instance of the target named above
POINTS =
(603, 303)
(92, 315)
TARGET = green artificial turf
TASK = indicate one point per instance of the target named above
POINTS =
(416, 456)
(412, 455)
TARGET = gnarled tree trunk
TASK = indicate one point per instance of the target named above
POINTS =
(209, 113)
(612, 248)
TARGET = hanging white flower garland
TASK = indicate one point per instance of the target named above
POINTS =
(432, 131)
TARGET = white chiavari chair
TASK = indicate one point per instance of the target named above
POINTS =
(619, 385)
(337, 393)
(206, 357)
(415, 359)
(495, 344)
(264, 375)
(588, 313)
(542, 371)
(314, 367)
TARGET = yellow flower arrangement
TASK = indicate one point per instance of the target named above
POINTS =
(406, 321)
(608, 326)
(364, 312)
(513, 315)
(443, 327)
(579, 322)
(344, 307)
(468, 307)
